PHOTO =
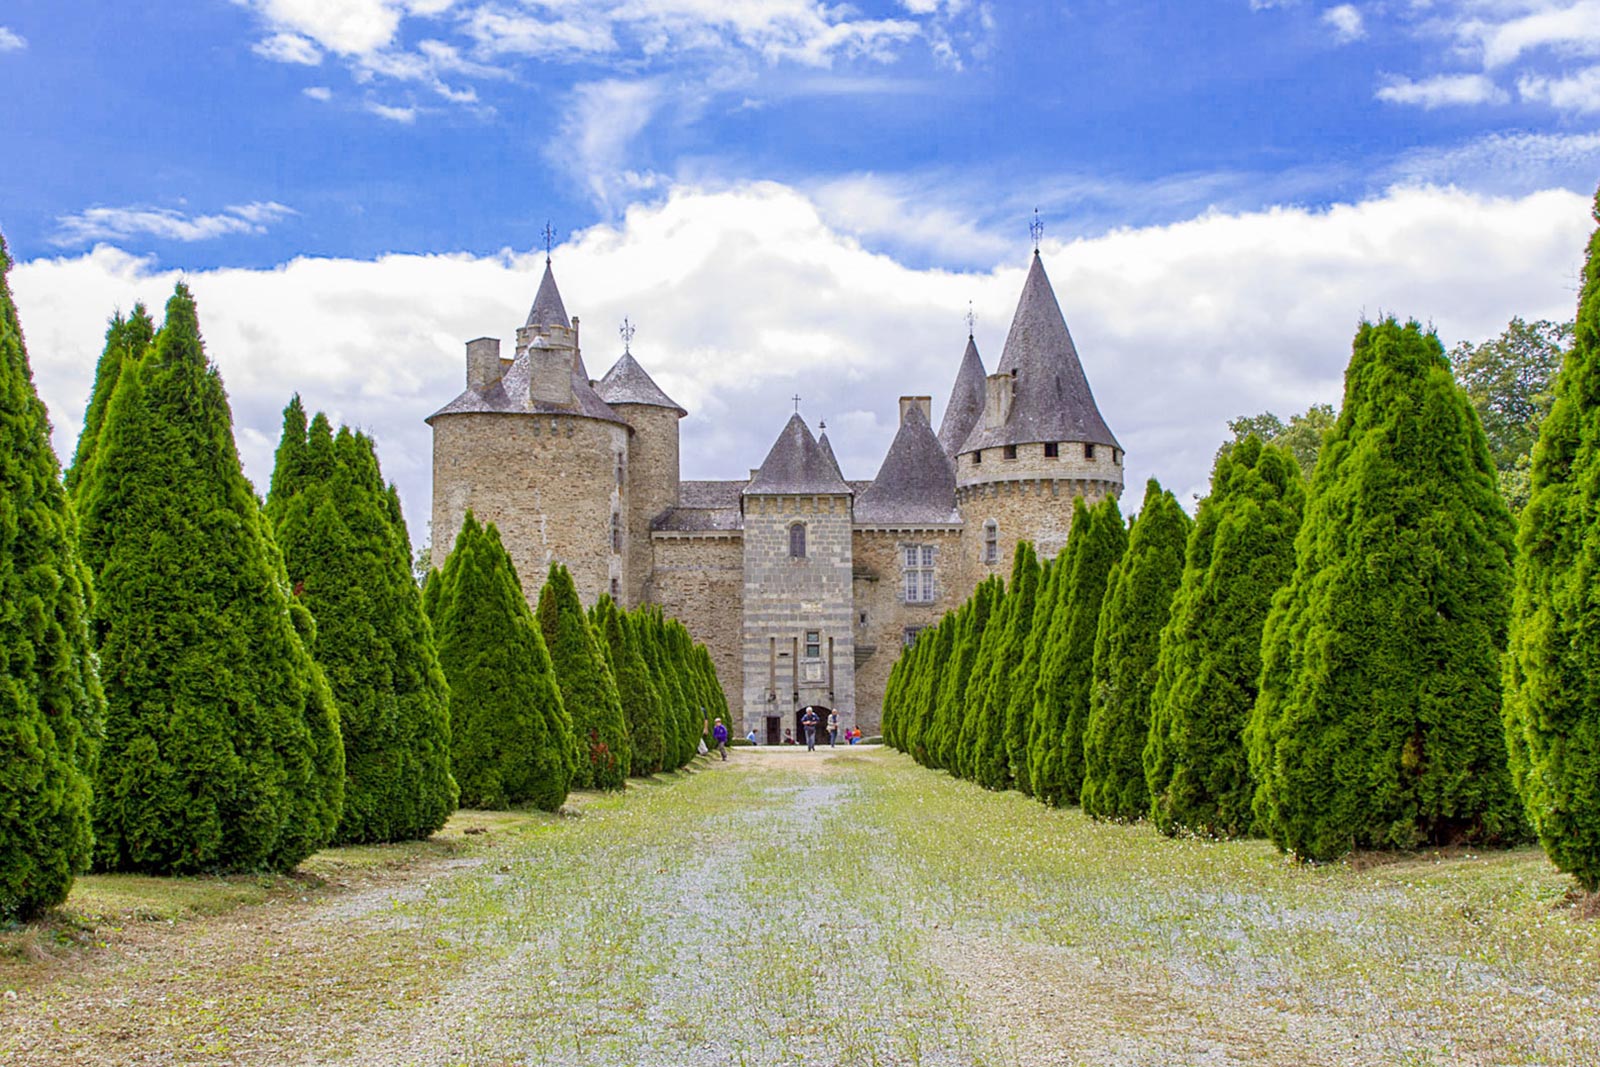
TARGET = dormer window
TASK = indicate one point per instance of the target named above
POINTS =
(797, 541)
(1011, 452)
(1052, 450)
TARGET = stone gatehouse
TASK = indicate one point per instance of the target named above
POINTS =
(803, 584)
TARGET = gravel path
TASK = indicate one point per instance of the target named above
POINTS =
(844, 908)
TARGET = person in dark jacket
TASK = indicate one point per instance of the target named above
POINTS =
(719, 733)
(809, 722)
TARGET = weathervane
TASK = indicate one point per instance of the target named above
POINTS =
(972, 320)
(549, 236)
(1036, 228)
(627, 332)
(796, 399)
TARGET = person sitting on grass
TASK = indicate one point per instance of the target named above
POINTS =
(788, 736)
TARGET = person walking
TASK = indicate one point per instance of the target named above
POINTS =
(833, 728)
(809, 722)
(720, 733)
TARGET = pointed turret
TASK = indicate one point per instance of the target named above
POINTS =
(916, 483)
(547, 308)
(797, 465)
(961, 414)
(827, 451)
(628, 383)
(1047, 397)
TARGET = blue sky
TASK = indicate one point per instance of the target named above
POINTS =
(381, 169)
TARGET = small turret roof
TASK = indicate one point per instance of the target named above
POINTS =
(1052, 400)
(797, 465)
(827, 452)
(628, 383)
(916, 483)
(548, 310)
(965, 408)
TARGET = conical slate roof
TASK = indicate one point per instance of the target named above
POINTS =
(797, 465)
(628, 383)
(1051, 401)
(827, 453)
(547, 308)
(965, 408)
(916, 483)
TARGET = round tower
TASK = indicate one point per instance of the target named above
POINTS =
(530, 447)
(651, 472)
(1037, 439)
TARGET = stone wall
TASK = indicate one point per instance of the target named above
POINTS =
(882, 614)
(1030, 496)
(698, 579)
(547, 481)
(652, 487)
(787, 597)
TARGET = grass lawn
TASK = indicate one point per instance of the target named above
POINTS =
(841, 907)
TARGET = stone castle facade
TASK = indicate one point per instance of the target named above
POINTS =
(804, 585)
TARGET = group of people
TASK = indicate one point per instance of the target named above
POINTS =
(809, 721)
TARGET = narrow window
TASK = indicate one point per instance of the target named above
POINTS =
(977, 457)
(797, 541)
(909, 636)
(1011, 452)
(1052, 450)
(813, 644)
(616, 532)
(991, 542)
(1116, 457)
(619, 470)
(616, 589)
(1088, 451)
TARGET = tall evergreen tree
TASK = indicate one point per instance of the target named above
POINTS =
(640, 703)
(511, 738)
(51, 708)
(972, 620)
(1240, 553)
(222, 741)
(938, 642)
(126, 341)
(1552, 676)
(1061, 699)
(1025, 676)
(1378, 721)
(678, 745)
(991, 763)
(349, 562)
(1127, 640)
(588, 691)
(969, 742)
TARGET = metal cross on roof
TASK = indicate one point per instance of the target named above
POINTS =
(627, 332)
(1036, 228)
(549, 236)
(972, 320)
(796, 399)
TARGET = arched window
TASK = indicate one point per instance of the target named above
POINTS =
(991, 542)
(797, 541)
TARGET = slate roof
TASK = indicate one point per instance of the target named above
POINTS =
(704, 506)
(797, 465)
(628, 383)
(547, 308)
(916, 483)
(965, 408)
(1052, 400)
(827, 452)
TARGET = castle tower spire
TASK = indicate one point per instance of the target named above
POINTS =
(547, 308)
(966, 400)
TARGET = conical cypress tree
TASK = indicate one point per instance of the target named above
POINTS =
(1240, 552)
(973, 620)
(511, 737)
(588, 691)
(51, 708)
(1061, 701)
(349, 562)
(1025, 677)
(969, 742)
(639, 703)
(1552, 676)
(126, 341)
(222, 741)
(676, 747)
(938, 643)
(991, 763)
(1137, 607)
(1378, 721)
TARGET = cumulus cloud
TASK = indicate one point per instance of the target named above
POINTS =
(289, 48)
(168, 224)
(403, 115)
(1578, 92)
(11, 40)
(1443, 90)
(1508, 32)
(748, 295)
(1346, 22)
(318, 92)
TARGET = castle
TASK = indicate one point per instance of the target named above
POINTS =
(803, 585)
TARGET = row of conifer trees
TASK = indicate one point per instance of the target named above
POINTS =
(192, 680)
(1379, 659)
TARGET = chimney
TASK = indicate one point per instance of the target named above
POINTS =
(997, 400)
(483, 363)
(549, 375)
(923, 402)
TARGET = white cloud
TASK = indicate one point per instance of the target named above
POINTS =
(402, 115)
(1565, 27)
(1347, 23)
(289, 48)
(1443, 90)
(347, 27)
(11, 40)
(1505, 163)
(1576, 92)
(602, 120)
(169, 224)
(746, 296)
(318, 92)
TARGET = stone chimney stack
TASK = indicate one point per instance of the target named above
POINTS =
(997, 400)
(923, 402)
(549, 374)
(483, 363)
